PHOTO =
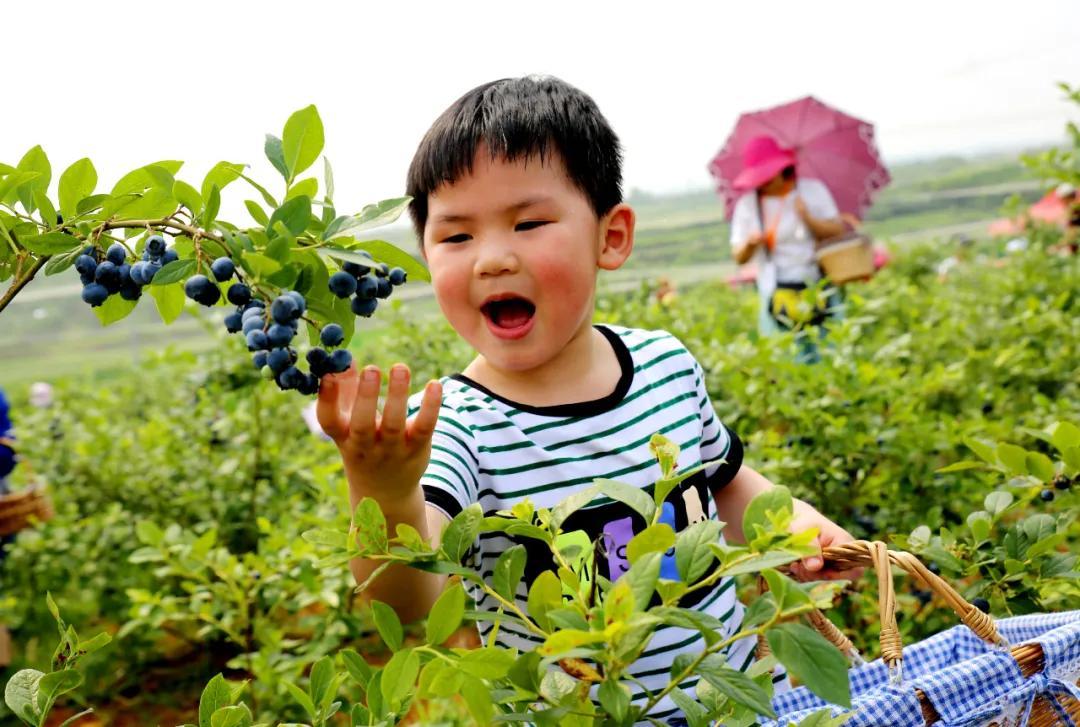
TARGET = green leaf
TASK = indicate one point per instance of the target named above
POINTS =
(461, 532)
(139, 179)
(302, 140)
(213, 206)
(666, 453)
(775, 500)
(446, 615)
(1040, 466)
(387, 624)
(383, 252)
(221, 175)
(642, 577)
(328, 177)
(635, 498)
(1014, 458)
(961, 466)
(56, 683)
(813, 660)
(50, 243)
(295, 214)
(45, 207)
(301, 697)
(259, 265)
(695, 714)
(77, 181)
(327, 536)
(477, 696)
(399, 676)
(565, 640)
(215, 695)
(114, 309)
(15, 180)
(509, 569)
(738, 687)
(357, 667)
(175, 272)
(615, 699)
(489, 662)
(169, 300)
(545, 594)
(238, 716)
(653, 539)
(692, 554)
(272, 149)
(372, 216)
(257, 213)
(370, 523)
(1064, 435)
(569, 505)
(979, 523)
(37, 162)
(618, 604)
(984, 451)
(267, 197)
(21, 695)
(305, 187)
(1071, 457)
(322, 680)
(997, 502)
(188, 196)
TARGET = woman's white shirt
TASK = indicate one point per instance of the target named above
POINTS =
(792, 260)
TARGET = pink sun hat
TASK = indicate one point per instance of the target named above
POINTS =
(762, 159)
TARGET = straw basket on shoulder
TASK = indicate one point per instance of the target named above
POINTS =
(19, 510)
(1009, 672)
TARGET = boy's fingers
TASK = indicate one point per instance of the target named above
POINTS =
(394, 411)
(362, 425)
(423, 424)
(328, 406)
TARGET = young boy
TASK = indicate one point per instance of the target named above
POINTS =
(517, 202)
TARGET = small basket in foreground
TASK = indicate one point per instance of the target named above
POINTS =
(18, 510)
(846, 260)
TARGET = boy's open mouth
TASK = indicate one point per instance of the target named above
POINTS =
(509, 316)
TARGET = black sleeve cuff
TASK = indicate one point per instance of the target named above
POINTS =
(442, 500)
(726, 472)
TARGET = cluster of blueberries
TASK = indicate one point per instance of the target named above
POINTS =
(102, 278)
(368, 283)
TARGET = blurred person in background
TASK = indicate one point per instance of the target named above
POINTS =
(7, 461)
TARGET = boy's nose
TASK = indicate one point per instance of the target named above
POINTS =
(496, 259)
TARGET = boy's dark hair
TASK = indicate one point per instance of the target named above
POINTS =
(517, 118)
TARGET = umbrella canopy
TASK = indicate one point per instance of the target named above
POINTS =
(828, 145)
(1052, 209)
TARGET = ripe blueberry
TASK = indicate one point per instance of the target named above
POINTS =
(319, 361)
(309, 386)
(367, 287)
(116, 254)
(290, 378)
(170, 256)
(86, 278)
(355, 269)
(239, 294)
(201, 290)
(95, 294)
(256, 340)
(301, 304)
(259, 359)
(222, 268)
(284, 309)
(1062, 482)
(107, 273)
(253, 312)
(233, 322)
(398, 276)
(85, 264)
(364, 306)
(982, 604)
(383, 288)
(278, 360)
(152, 268)
(342, 284)
(251, 323)
(279, 335)
(332, 335)
(340, 360)
(1046, 495)
(155, 245)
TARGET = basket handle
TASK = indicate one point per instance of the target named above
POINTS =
(861, 553)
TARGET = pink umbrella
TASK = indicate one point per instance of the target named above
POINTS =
(829, 145)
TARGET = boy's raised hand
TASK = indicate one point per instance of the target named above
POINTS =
(384, 454)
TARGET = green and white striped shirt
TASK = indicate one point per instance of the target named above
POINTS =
(497, 452)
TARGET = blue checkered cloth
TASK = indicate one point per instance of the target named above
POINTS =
(968, 682)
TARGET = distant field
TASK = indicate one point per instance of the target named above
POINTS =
(49, 333)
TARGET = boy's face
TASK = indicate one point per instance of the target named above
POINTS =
(513, 249)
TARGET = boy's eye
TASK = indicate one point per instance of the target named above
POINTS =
(460, 237)
(529, 225)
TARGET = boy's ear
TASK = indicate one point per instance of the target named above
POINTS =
(616, 237)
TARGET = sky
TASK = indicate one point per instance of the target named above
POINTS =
(127, 83)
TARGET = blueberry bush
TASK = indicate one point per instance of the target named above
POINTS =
(299, 263)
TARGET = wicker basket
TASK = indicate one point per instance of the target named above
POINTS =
(19, 509)
(1029, 657)
(848, 259)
